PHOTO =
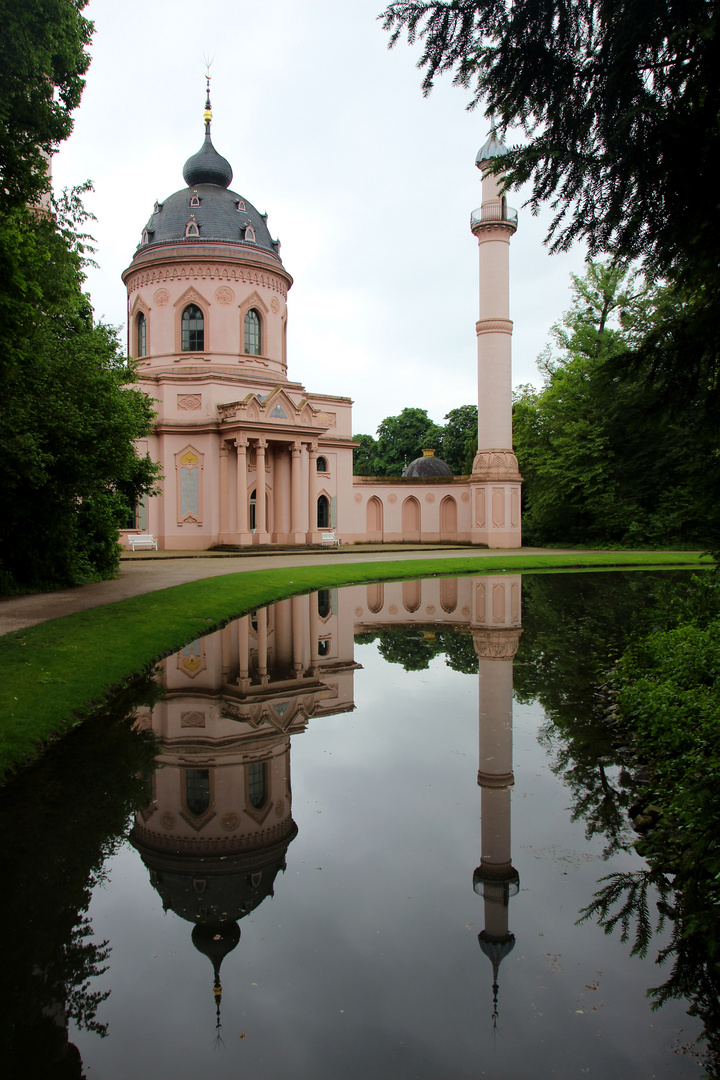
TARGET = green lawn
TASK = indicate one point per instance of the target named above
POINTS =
(54, 673)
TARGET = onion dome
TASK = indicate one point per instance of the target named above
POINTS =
(207, 166)
(207, 210)
(491, 148)
(427, 465)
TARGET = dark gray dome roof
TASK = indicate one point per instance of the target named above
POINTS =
(206, 209)
(207, 166)
(218, 213)
(427, 466)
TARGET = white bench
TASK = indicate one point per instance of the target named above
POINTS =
(144, 540)
(329, 538)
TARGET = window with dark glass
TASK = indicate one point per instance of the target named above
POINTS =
(323, 601)
(323, 512)
(323, 647)
(322, 465)
(141, 337)
(197, 791)
(192, 329)
(252, 332)
(257, 783)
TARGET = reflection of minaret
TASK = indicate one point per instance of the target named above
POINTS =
(496, 637)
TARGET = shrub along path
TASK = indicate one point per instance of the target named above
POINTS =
(62, 653)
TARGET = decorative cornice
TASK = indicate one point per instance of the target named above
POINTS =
(494, 326)
(495, 465)
(496, 644)
(199, 271)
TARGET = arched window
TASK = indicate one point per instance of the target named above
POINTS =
(197, 791)
(194, 201)
(192, 329)
(252, 332)
(191, 229)
(257, 783)
(323, 647)
(323, 602)
(323, 512)
(322, 465)
(250, 233)
(140, 335)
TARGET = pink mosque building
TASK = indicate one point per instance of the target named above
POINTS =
(251, 457)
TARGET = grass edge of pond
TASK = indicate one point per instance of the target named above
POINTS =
(56, 672)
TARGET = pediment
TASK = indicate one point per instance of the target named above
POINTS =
(275, 408)
(191, 296)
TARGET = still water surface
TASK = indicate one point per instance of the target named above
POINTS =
(361, 854)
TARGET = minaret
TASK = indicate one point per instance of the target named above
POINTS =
(495, 476)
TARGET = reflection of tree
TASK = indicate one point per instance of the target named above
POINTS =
(59, 821)
(625, 901)
(573, 628)
(413, 647)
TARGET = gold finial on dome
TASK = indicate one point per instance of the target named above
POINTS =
(207, 115)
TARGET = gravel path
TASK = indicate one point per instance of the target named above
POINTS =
(144, 572)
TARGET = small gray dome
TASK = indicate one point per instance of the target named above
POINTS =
(207, 166)
(491, 148)
(427, 465)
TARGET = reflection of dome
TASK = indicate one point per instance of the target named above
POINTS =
(211, 891)
(427, 465)
(216, 942)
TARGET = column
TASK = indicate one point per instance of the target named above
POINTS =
(313, 533)
(262, 637)
(261, 533)
(223, 495)
(243, 529)
(244, 652)
(296, 536)
(297, 635)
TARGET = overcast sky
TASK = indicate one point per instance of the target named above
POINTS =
(368, 185)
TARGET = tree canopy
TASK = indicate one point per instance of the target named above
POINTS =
(402, 438)
(618, 101)
(70, 413)
(603, 457)
(43, 57)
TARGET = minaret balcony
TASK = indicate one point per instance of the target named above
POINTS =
(493, 212)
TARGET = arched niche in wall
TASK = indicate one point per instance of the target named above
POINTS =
(411, 519)
(189, 485)
(374, 521)
(448, 518)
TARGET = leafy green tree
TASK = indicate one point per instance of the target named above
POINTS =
(459, 441)
(43, 57)
(364, 456)
(604, 460)
(403, 438)
(70, 413)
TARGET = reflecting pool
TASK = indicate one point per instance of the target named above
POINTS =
(347, 835)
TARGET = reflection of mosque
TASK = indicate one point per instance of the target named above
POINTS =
(217, 829)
